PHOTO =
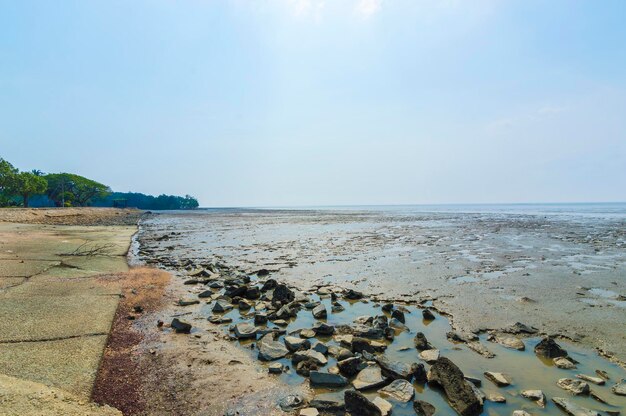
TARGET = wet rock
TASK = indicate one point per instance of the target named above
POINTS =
(291, 402)
(430, 356)
(369, 378)
(475, 381)
(394, 369)
(284, 313)
(244, 330)
(478, 347)
(455, 336)
(307, 333)
(520, 413)
(221, 306)
(353, 295)
(244, 306)
(205, 294)
(535, 395)
(319, 347)
(360, 345)
(520, 328)
(269, 285)
(343, 354)
(389, 333)
(498, 379)
(275, 368)
(282, 295)
(350, 366)
(270, 349)
(419, 373)
(387, 307)
(309, 411)
(319, 312)
(367, 332)
(252, 293)
(400, 390)
(399, 315)
(550, 349)
(180, 327)
(496, 398)
(260, 318)
(564, 363)
(188, 302)
(295, 344)
(507, 341)
(619, 388)
(420, 342)
(217, 319)
(263, 273)
(357, 404)
(480, 395)
(232, 292)
(216, 285)
(595, 380)
(383, 405)
(310, 355)
(394, 323)
(423, 408)
(572, 408)
(305, 367)
(328, 406)
(320, 379)
(574, 386)
(458, 390)
(428, 315)
(281, 322)
(603, 374)
(322, 328)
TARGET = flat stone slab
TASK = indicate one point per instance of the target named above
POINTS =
(400, 390)
(368, 378)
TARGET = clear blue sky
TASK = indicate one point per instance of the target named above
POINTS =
(312, 102)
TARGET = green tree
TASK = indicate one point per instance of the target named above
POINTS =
(69, 189)
(7, 180)
(26, 184)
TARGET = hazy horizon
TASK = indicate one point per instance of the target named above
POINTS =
(319, 103)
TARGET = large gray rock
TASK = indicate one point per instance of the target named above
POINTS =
(394, 369)
(350, 366)
(319, 379)
(282, 295)
(369, 378)
(458, 390)
(619, 388)
(423, 408)
(430, 356)
(180, 327)
(310, 355)
(295, 344)
(535, 395)
(400, 390)
(319, 312)
(221, 306)
(498, 379)
(420, 342)
(270, 349)
(507, 341)
(550, 349)
(358, 404)
(574, 386)
(322, 328)
(572, 408)
(244, 330)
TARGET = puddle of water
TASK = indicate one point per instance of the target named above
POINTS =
(524, 368)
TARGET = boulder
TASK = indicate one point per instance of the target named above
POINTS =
(187, 302)
(458, 390)
(574, 386)
(400, 390)
(205, 294)
(370, 377)
(498, 379)
(244, 330)
(320, 379)
(430, 356)
(270, 349)
(282, 295)
(295, 344)
(572, 408)
(520, 328)
(360, 345)
(269, 285)
(350, 366)
(252, 293)
(319, 312)
(180, 327)
(399, 315)
(550, 349)
(387, 307)
(420, 342)
(423, 408)
(520, 413)
(322, 328)
(307, 333)
(564, 363)
(535, 395)
(428, 315)
(394, 369)
(478, 347)
(357, 404)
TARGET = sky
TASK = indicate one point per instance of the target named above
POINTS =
(321, 102)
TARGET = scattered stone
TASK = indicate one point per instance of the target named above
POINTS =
(350, 366)
(361, 344)
(498, 379)
(307, 333)
(400, 390)
(455, 336)
(383, 405)
(496, 398)
(180, 327)
(252, 293)
(595, 380)
(353, 295)
(423, 408)
(369, 378)
(282, 295)
(291, 402)
(521, 413)
(428, 315)
(603, 374)
(309, 411)
(478, 347)
(205, 294)
(295, 344)
(320, 379)
(394, 369)
(270, 349)
(430, 356)
(275, 368)
(305, 367)
(572, 408)
(358, 404)
(506, 341)
(281, 322)
(420, 342)
(269, 285)
(576, 387)
(535, 395)
(520, 328)
(187, 302)
(244, 305)
(322, 328)
(564, 363)
(399, 315)
(310, 355)
(260, 318)
(217, 319)
(458, 390)
(550, 349)
(221, 306)
(319, 312)
(387, 307)
(619, 388)
(244, 330)
(320, 347)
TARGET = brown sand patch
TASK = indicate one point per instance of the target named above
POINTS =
(71, 216)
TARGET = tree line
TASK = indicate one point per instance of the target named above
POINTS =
(36, 188)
